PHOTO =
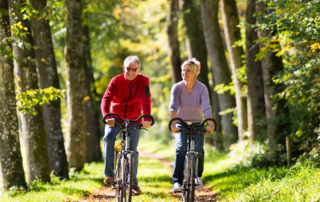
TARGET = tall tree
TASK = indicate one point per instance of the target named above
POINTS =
(217, 139)
(195, 40)
(93, 149)
(256, 105)
(232, 34)
(11, 170)
(48, 76)
(173, 51)
(75, 84)
(219, 65)
(33, 128)
(271, 65)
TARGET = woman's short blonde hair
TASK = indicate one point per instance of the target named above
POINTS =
(194, 65)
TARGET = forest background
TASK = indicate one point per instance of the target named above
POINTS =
(259, 60)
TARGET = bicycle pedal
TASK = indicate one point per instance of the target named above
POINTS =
(111, 183)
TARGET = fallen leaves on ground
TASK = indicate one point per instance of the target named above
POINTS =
(206, 194)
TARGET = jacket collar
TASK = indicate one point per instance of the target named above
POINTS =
(128, 81)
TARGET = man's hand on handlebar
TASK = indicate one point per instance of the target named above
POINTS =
(146, 124)
(110, 122)
(174, 129)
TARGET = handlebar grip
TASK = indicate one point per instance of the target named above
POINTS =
(139, 127)
(179, 119)
(111, 114)
(202, 131)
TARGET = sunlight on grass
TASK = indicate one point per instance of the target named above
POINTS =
(154, 180)
(156, 146)
(78, 186)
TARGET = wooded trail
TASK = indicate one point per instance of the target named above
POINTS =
(107, 194)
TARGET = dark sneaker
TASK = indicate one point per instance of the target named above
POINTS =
(136, 191)
(109, 180)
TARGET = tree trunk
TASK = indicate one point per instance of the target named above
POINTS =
(219, 65)
(11, 169)
(217, 140)
(93, 152)
(232, 34)
(256, 105)
(271, 65)
(172, 32)
(32, 125)
(75, 85)
(48, 76)
(195, 40)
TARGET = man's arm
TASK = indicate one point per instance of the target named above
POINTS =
(106, 100)
(145, 97)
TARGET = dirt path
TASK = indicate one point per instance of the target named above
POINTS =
(107, 194)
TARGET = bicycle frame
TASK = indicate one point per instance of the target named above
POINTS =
(191, 168)
(124, 165)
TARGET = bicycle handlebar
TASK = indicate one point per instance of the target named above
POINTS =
(194, 125)
(130, 121)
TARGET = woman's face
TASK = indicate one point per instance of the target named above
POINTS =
(187, 73)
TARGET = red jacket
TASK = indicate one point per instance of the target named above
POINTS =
(127, 98)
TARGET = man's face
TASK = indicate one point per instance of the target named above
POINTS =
(131, 71)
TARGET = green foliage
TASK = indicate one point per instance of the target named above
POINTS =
(295, 28)
(27, 100)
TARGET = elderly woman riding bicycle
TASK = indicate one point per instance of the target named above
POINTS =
(190, 102)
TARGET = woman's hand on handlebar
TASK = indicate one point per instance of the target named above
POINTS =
(210, 129)
(146, 124)
(110, 122)
(174, 129)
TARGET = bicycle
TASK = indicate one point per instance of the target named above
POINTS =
(191, 162)
(124, 164)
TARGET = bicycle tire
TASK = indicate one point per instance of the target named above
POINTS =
(119, 179)
(129, 175)
(187, 175)
(191, 180)
(124, 183)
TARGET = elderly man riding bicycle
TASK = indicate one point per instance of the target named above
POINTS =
(127, 94)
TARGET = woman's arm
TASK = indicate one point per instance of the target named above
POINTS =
(174, 129)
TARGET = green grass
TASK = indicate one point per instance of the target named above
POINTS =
(240, 183)
(79, 185)
(230, 182)
(154, 180)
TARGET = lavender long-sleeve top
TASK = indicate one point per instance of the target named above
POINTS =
(190, 107)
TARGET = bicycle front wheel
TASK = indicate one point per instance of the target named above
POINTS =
(127, 178)
(191, 179)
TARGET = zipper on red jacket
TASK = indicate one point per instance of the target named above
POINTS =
(125, 111)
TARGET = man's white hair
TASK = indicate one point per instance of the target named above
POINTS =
(131, 60)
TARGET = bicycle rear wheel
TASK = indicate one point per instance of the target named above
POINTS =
(191, 178)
